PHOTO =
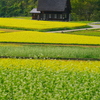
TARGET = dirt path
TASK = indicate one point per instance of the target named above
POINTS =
(73, 30)
(10, 30)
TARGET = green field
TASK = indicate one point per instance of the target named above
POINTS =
(49, 80)
(48, 85)
(46, 51)
(87, 32)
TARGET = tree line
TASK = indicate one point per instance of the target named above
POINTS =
(9, 8)
(86, 10)
(81, 9)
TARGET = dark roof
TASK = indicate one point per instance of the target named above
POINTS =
(34, 10)
(51, 5)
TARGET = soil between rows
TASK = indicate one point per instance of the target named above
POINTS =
(51, 44)
(84, 59)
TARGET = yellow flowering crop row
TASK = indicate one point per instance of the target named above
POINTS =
(41, 37)
(1, 31)
(91, 66)
(33, 24)
(13, 45)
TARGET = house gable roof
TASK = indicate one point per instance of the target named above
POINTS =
(51, 5)
(34, 10)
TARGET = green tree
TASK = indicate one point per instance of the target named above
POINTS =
(84, 9)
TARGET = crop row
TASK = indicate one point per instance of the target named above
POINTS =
(49, 80)
(41, 37)
(37, 25)
(91, 66)
(48, 52)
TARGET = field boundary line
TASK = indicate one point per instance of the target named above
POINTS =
(52, 44)
(84, 59)
(74, 30)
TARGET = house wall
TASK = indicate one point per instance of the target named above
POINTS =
(54, 16)
(51, 16)
(36, 16)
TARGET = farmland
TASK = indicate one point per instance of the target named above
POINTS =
(87, 32)
(24, 24)
(49, 79)
(51, 38)
(48, 51)
(37, 65)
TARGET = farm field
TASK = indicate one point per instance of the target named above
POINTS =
(28, 18)
(49, 79)
(42, 74)
(25, 24)
(87, 32)
(48, 51)
(51, 38)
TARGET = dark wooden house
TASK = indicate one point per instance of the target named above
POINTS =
(52, 10)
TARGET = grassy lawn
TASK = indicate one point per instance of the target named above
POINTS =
(45, 51)
(87, 22)
(87, 32)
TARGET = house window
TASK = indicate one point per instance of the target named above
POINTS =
(65, 15)
(55, 16)
(44, 16)
(52, 15)
(41, 16)
(49, 15)
(60, 16)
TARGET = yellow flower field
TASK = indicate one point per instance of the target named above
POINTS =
(1, 31)
(91, 66)
(41, 37)
(34, 24)
(10, 44)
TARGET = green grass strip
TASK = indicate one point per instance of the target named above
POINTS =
(93, 32)
(44, 30)
(46, 52)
